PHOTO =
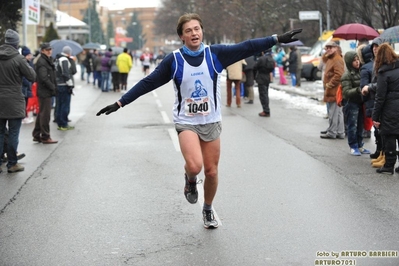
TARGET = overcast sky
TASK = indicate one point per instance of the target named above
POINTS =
(121, 4)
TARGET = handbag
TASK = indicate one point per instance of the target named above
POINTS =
(338, 96)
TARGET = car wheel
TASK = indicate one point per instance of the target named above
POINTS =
(316, 74)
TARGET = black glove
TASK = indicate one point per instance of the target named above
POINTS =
(288, 36)
(109, 109)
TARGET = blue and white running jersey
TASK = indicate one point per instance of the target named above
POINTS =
(197, 91)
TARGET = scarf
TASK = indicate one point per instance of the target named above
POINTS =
(193, 53)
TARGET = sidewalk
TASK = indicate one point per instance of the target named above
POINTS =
(36, 153)
(310, 89)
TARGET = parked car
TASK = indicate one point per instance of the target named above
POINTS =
(304, 49)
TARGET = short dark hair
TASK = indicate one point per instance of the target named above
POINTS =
(186, 18)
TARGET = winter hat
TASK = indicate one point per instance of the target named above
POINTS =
(12, 37)
(25, 51)
(67, 50)
(377, 41)
(331, 44)
(45, 46)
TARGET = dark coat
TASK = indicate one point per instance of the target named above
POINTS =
(27, 85)
(249, 71)
(96, 62)
(386, 109)
(350, 80)
(293, 61)
(262, 74)
(367, 77)
(87, 62)
(13, 66)
(105, 62)
(46, 77)
(64, 70)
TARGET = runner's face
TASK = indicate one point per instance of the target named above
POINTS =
(192, 35)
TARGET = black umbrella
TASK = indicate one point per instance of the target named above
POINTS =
(58, 45)
(92, 45)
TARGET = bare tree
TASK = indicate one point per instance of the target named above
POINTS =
(238, 20)
(388, 11)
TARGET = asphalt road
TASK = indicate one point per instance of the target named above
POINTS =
(111, 192)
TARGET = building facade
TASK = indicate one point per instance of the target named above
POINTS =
(121, 19)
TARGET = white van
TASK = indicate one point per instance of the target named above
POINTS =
(311, 60)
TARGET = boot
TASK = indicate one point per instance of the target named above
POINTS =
(380, 163)
(375, 155)
(378, 144)
(390, 159)
(385, 170)
(382, 156)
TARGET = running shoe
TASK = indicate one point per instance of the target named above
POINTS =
(355, 152)
(190, 191)
(364, 151)
(209, 219)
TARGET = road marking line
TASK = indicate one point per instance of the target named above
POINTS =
(175, 139)
(165, 117)
(159, 103)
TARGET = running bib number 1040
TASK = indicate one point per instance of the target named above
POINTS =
(194, 106)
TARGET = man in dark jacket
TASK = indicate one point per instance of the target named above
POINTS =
(263, 67)
(12, 101)
(46, 88)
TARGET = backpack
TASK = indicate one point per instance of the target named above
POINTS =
(269, 63)
(57, 65)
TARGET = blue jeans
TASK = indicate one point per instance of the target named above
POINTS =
(14, 126)
(105, 81)
(97, 76)
(63, 106)
(293, 78)
(354, 120)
